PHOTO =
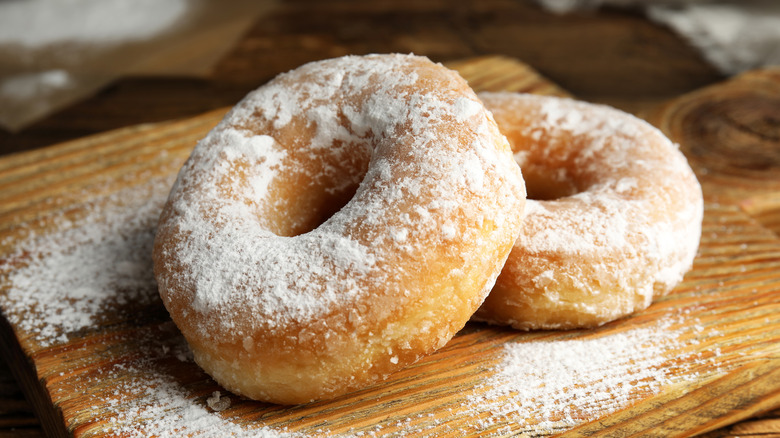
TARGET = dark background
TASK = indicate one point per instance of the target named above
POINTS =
(610, 55)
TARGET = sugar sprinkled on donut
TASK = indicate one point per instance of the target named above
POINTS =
(612, 221)
(341, 222)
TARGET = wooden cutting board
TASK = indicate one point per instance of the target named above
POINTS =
(96, 353)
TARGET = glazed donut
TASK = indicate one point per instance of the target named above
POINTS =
(613, 217)
(341, 222)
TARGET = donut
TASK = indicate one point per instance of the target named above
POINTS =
(342, 221)
(613, 217)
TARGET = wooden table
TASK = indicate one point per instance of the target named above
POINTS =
(612, 56)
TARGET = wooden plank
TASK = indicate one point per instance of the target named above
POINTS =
(729, 132)
(703, 357)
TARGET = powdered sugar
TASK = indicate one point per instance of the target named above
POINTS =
(535, 386)
(466, 108)
(621, 220)
(151, 402)
(603, 226)
(422, 167)
(89, 265)
(292, 298)
(60, 284)
(542, 387)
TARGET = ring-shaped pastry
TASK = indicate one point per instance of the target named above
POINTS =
(341, 222)
(613, 217)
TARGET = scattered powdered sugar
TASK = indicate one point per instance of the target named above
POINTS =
(537, 386)
(157, 404)
(68, 277)
(541, 387)
(61, 283)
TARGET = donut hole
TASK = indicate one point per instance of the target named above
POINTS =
(305, 201)
(546, 184)
(322, 208)
(304, 206)
(549, 167)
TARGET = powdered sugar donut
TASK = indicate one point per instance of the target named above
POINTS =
(613, 217)
(341, 222)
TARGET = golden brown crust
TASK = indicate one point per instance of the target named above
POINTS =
(283, 300)
(612, 221)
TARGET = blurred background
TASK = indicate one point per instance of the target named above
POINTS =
(70, 68)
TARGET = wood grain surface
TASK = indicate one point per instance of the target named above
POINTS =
(725, 312)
